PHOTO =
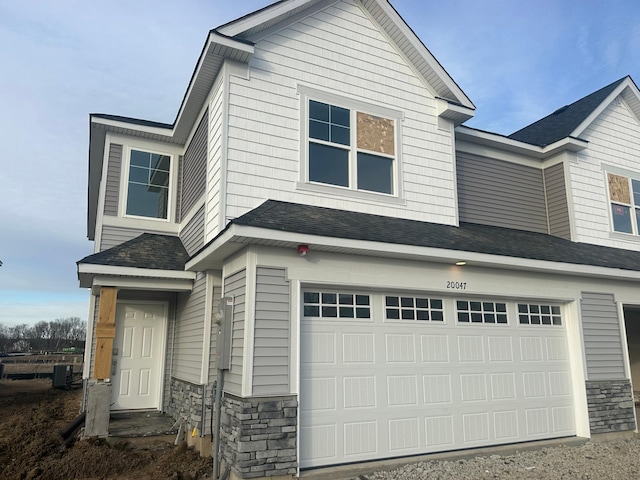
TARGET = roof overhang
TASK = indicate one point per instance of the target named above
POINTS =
(95, 276)
(237, 237)
(217, 49)
(500, 142)
(629, 92)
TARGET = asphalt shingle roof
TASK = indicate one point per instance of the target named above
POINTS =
(158, 252)
(563, 122)
(468, 237)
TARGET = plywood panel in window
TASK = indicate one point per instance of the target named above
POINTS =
(619, 188)
(376, 134)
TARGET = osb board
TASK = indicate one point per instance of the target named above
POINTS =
(376, 134)
(619, 188)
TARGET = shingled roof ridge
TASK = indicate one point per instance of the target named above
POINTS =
(562, 122)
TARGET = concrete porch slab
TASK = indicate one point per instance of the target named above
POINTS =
(134, 424)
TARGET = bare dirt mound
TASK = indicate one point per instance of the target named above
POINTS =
(31, 415)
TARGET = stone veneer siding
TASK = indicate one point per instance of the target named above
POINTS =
(611, 406)
(258, 437)
(185, 402)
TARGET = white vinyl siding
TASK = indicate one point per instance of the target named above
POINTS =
(235, 286)
(112, 188)
(271, 337)
(188, 332)
(614, 143)
(602, 337)
(215, 145)
(335, 50)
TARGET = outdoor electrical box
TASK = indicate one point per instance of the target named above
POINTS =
(62, 376)
(223, 318)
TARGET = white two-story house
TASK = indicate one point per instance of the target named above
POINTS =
(396, 283)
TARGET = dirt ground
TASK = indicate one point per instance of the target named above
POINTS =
(31, 415)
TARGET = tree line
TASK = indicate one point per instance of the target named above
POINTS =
(44, 336)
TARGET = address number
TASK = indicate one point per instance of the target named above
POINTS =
(457, 285)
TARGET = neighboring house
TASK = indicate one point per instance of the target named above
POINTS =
(401, 284)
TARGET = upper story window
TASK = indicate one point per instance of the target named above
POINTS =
(624, 196)
(148, 184)
(352, 149)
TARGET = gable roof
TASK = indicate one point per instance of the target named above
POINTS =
(254, 25)
(149, 251)
(571, 120)
(468, 237)
(234, 41)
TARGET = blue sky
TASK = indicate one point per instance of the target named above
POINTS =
(61, 60)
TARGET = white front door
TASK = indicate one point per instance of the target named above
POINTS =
(137, 356)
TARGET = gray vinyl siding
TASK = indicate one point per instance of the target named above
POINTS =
(188, 341)
(213, 372)
(112, 190)
(194, 167)
(192, 235)
(502, 194)
(602, 337)
(557, 205)
(235, 286)
(112, 236)
(271, 337)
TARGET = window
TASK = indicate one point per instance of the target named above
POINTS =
(531, 314)
(350, 148)
(624, 195)
(481, 312)
(414, 308)
(336, 305)
(148, 184)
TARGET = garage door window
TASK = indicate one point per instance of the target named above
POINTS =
(533, 314)
(481, 312)
(414, 308)
(336, 305)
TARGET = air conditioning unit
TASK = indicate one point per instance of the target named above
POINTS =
(62, 376)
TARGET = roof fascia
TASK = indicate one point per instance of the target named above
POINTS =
(501, 142)
(244, 235)
(128, 283)
(133, 271)
(423, 51)
(627, 83)
(458, 114)
(219, 46)
(261, 16)
(107, 122)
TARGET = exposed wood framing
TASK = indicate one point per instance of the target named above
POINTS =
(105, 332)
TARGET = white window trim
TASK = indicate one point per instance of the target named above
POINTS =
(354, 105)
(124, 181)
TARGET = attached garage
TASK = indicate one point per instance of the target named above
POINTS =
(392, 374)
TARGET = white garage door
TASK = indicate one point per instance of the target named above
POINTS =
(393, 375)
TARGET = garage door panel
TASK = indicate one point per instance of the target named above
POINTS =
(393, 388)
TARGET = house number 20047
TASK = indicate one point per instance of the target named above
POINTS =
(457, 285)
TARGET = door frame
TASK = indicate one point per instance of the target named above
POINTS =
(163, 346)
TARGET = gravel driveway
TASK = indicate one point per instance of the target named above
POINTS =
(614, 459)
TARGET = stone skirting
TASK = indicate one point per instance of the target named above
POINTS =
(258, 437)
(185, 402)
(611, 407)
